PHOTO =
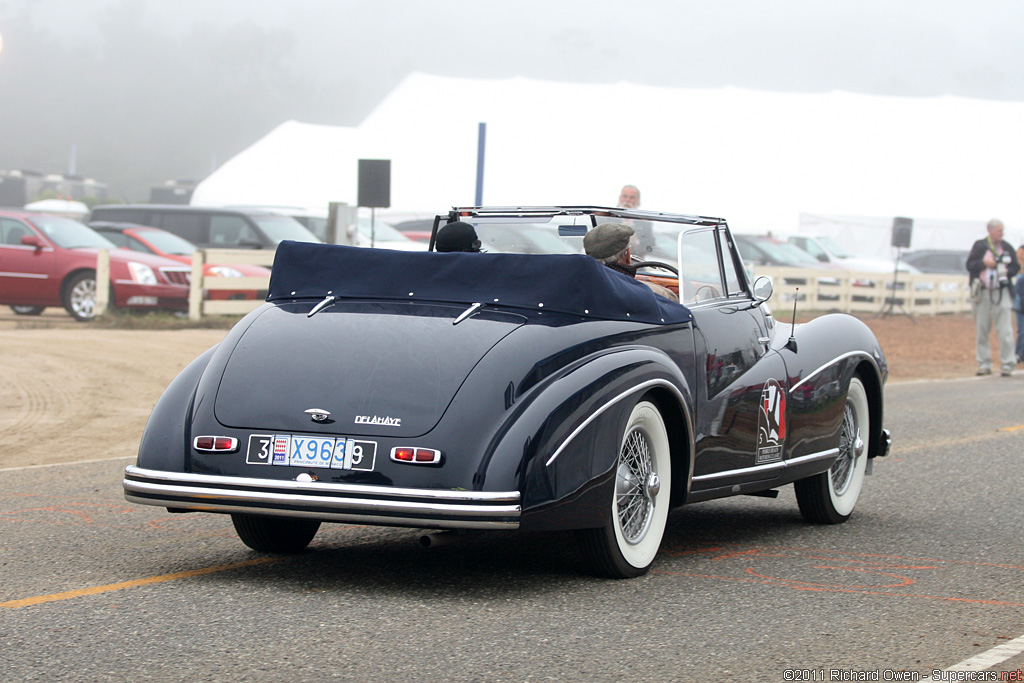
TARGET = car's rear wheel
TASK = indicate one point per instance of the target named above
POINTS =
(80, 296)
(829, 497)
(28, 310)
(275, 534)
(627, 545)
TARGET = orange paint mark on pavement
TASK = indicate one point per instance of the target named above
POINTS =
(82, 592)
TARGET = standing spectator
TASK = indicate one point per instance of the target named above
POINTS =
(1018, 306)
(643, 241)
(992, 265)
(629, 197)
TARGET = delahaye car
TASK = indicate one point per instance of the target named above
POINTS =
(516, 391)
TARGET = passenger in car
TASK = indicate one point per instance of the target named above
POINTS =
(457, 236)
(609, 244)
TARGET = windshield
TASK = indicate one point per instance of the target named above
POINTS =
(279, 228)
(380, 231)
(167, 242)
(70, 234)
(780, 252)
(834, 248)
(652, 240)
(520, 238)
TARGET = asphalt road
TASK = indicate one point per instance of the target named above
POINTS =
(928, 573)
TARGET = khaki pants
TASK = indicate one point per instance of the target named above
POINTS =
(994, 308)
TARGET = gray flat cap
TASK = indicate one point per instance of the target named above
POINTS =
(607, 240)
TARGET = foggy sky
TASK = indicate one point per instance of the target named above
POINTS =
(149, 90)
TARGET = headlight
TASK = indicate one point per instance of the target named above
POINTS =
(142, 273)
(224, 271)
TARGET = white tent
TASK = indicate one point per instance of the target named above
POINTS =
(62, 207)
(758, 159)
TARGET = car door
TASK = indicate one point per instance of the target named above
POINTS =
(26, 273)
(740, 416)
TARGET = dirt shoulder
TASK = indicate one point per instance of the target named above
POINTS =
(71, 392)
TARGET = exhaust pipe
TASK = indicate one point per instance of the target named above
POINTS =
(439, 538)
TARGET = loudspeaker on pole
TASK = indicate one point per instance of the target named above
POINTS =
(375, 183)
(902, 229)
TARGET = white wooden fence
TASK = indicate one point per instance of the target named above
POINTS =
(816, 290)
(198, 305)
(850, 292)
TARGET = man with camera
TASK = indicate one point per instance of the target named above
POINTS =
(992, 265)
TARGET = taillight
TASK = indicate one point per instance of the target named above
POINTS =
(216, 444)
(416, 456)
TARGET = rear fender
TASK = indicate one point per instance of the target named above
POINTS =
(165, 441)
(568, 435)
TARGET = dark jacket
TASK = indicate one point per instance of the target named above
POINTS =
(976, 264)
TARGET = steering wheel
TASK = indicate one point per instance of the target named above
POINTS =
(655, 264)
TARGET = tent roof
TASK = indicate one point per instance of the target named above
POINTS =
(757, 158)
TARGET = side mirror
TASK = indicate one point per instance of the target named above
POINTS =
(823, 258)
(763, 289)
(32, 241)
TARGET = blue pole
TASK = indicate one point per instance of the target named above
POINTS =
(481, 143)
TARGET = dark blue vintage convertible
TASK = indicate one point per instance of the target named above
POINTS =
(504, 390)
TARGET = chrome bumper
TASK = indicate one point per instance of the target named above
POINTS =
(428, 508)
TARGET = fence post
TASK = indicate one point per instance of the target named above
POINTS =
(102, 282)
(195, 286)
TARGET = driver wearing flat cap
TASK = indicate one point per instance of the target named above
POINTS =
(609, 244)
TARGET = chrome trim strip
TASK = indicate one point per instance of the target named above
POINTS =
(325, 487)
(413, 522)
(468, 312)
(27, 276)
(781, 464)
(848, 354)
(201, 495)
(609, 404)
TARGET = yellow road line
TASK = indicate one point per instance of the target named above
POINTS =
(1011, 429)
(68, 595)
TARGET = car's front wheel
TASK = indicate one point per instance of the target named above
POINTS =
(80, 296)
(829, 497)
(274, 534)
(627, 545)
(28, 310)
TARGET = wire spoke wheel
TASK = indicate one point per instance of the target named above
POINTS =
(829, 497)
(634, 503)
(627, 545)
(842, 470)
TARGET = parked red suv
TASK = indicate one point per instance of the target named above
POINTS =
(51, 261)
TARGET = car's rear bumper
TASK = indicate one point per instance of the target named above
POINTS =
(429, 508)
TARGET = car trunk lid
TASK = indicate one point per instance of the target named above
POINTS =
(377, 368)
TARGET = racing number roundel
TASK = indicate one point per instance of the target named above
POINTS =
(771, 423)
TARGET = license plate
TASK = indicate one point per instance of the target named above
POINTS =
(293, 450)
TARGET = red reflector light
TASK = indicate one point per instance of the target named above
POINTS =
(216, 444)
(419, 456)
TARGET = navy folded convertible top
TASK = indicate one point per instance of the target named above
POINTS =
(565, 283)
